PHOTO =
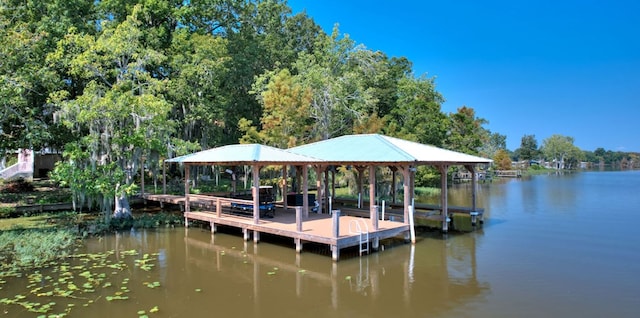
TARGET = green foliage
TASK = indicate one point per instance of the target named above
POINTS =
(285, 121)
(528, 148)
(501, 160)
(33, 248)
(493, 145)
(417, 115)
(141, 221)
(561, 150)
(466, 133)
(427, 176)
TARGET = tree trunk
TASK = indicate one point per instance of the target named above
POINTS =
(122, 209)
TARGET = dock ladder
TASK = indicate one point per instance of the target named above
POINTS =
(356, 227)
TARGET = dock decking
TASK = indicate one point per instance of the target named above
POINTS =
(337, 231)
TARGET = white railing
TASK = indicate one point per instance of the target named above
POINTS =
(16, 169)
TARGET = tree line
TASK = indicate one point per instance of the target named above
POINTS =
(565, 155)
(115, 83)
(112, 82)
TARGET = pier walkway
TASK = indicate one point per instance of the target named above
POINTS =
(337, 231)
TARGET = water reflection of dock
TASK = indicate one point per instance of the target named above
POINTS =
(399, 275)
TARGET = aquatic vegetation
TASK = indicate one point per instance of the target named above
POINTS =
(32, 249)
(77, 280)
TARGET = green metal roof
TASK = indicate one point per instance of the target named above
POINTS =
(243, 154)
(375, 148)
(351, 149)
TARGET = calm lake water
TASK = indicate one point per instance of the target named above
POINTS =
(551, 246)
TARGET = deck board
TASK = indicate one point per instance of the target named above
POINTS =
(317, 228)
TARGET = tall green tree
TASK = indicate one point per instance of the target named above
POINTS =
(417, 115)
(198, 65)
(121, 113)
(466, 131)
(528, 148)
(561, 151)
(495, 142)
(335, 75)
(285, 122)
(28, 32)
(501, 160)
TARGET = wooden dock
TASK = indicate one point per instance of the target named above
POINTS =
(338, 231)
(508, 173)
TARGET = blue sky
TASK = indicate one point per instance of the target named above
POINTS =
(528, 67)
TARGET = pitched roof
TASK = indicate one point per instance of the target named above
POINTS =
(244, 154)
(351, 149)
(379, 149)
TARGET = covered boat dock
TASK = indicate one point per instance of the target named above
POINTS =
(364, 153)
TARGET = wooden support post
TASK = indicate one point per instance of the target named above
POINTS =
(372, 187)
(443, 198)
(374, 217)
(164, 178)
(142, 178)
(213, 227)
(412, 228)
(256, 193)
(256, 237)
(305, 191)
(187, 207)
(218, 207)
(336, 223)
(284, 187)
(234, 181)
(393, 184)
(298, 184)
(299, 218)
(335, 251)
(319, 188)
(474, 188)
(298, 242)
(375, 244)
(333, 182)
(406, 172)
(326, 191)
(245, 234)
(360, 187)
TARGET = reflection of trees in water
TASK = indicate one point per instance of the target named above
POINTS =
(369, 285)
